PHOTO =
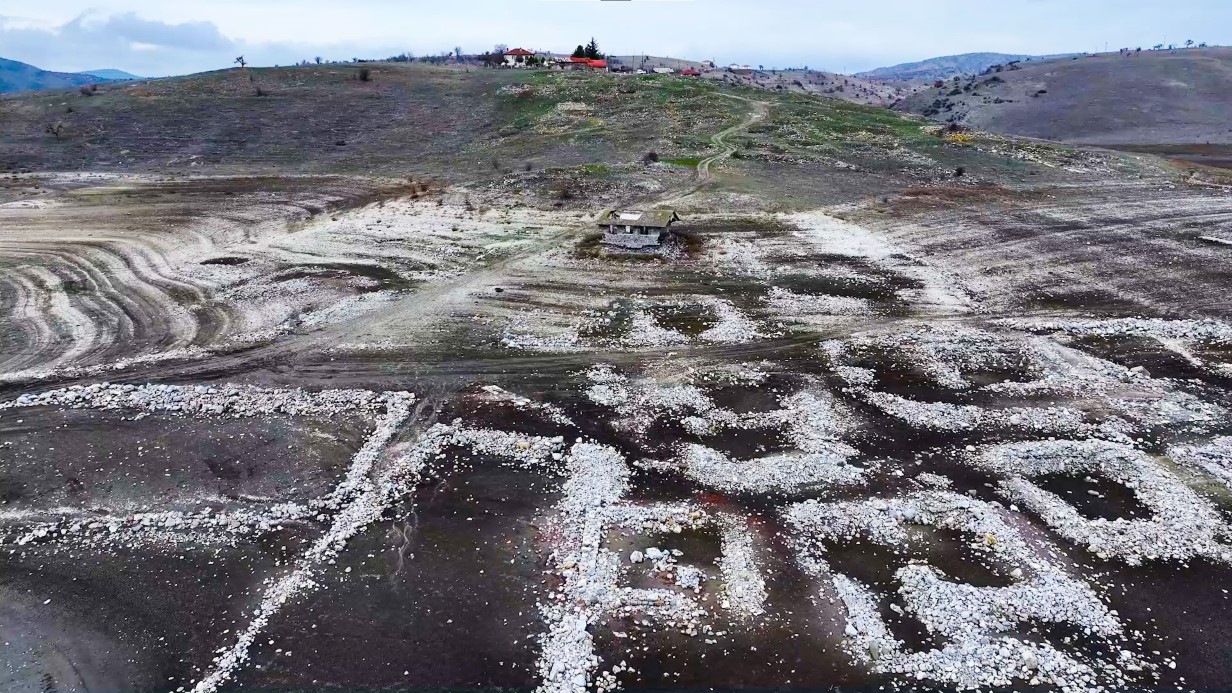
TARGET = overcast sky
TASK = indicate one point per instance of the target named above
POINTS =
(163, 37)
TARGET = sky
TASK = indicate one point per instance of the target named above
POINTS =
(160, 37)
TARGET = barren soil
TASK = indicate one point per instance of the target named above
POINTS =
(1152, 98)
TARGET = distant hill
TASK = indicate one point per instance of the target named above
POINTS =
(1173, 97)
(845, 87)
(110, 74)
(649, 62)
(15, 76)
(946, 66)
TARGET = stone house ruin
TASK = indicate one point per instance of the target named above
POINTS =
(631, 229)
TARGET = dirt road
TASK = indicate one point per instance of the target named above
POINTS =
(759, 111)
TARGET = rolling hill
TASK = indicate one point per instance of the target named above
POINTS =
(1179, 97)
(16, 76)
(944, 67)
(110, 74)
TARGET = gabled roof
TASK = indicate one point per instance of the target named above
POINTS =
(518, 51)
(654, 218)
(597, 63)
(575, 59)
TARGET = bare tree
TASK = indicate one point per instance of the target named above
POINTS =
(1188, 43)
(457, 52)
(56, 129)
(241, 62)
(500, 49)
(318, 59)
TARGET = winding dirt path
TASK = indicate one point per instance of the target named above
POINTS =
(759, 111)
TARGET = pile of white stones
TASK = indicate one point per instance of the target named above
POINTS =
(82, 529)
(1183, 525)
(809, 418)
(819, 463)
(1109, 400)
(732, 326)
(236, 401)
(791, 304)
(978, 623)
(592, 505)
(1178, 336)
(1214, 458)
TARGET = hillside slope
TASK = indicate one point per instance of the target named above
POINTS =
(17, 76)
(944, 67)
(546, 138)
(1153, 98)
(110, 74)
(817, 82)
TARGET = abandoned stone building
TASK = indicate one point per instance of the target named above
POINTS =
(630, 229)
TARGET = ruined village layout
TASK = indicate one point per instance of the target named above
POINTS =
(536, 371)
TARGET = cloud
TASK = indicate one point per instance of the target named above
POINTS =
(191, 36)
(124, 41)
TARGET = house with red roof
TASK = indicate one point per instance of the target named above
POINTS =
(691, 73)
(517, 57)
(573, 63)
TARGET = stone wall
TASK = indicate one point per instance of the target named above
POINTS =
(633, 240)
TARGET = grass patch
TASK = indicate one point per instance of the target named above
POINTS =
(686, 161)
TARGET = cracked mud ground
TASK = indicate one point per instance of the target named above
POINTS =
(299, 432)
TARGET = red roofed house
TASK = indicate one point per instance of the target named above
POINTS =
(517, 57)
(691, 73)
(598, 64)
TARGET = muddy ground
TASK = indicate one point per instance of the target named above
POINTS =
(304, 433)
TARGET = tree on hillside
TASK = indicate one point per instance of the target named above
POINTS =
(580, 51)
(457, 52)
(1188, 43)
(318, 59)
(500, 49)
(241, 62)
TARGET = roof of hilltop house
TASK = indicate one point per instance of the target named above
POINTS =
(598, 63)
(654, 219)
(519, 51)
(576, 59)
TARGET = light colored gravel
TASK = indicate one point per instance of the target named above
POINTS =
(593, 504)
(979, 624)
(791, 304)
(1104, 398)
(1214, 458)
(734, 326)
(1182, 526)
